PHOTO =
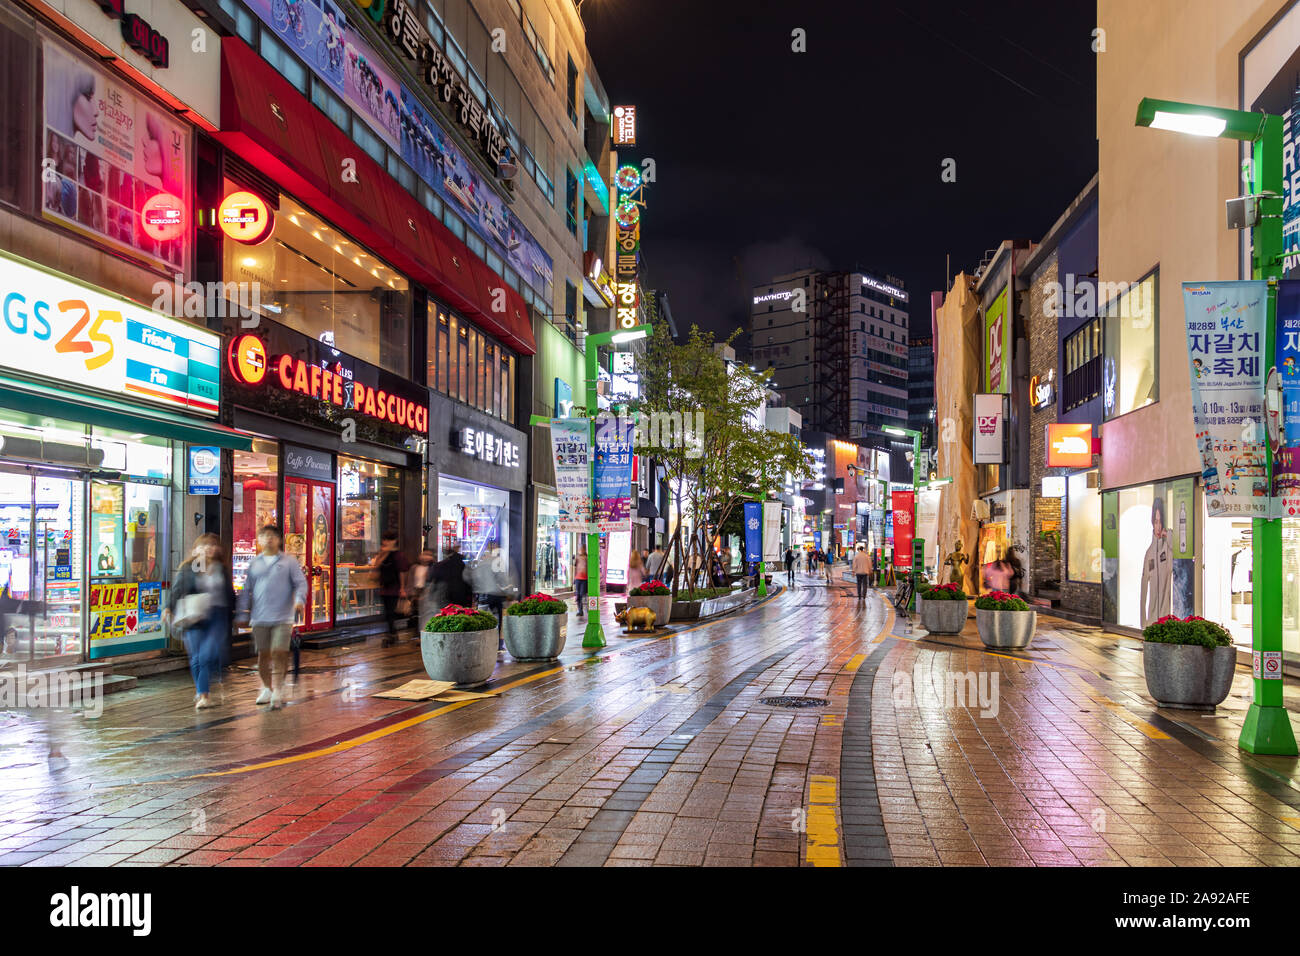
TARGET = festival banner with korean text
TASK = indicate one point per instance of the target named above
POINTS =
(570, 446)
(1286, 464)
(614, 474)
(1225, 344)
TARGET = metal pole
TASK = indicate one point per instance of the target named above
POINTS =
(1267, 729)
(594, 636)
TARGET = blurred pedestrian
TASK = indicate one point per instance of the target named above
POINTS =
(450, 584)
(635, 571)
(274, 594)
(580, 580)
(789, 566)
(201, 603)
(392, 566)
(423, 588)
(862, 571)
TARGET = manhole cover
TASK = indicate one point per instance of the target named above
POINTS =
(793, 701)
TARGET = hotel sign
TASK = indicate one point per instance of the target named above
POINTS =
(625, 126)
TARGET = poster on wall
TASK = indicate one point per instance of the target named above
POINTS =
(110, 156)
(570, 443)
(107, 510)
(614, 474)
(1225, 340)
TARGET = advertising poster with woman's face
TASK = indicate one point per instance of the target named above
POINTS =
(108, 152)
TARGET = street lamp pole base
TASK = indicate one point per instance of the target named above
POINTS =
(594, 636)
(1267, 730)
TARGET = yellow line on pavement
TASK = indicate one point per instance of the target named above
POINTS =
(1119, 711)
(855, 662)
(382, 732)
(823, 830)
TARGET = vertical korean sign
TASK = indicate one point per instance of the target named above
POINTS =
(614, 474)
(904, 527)
(1225, 344)
(1286, 470)
(570, 448)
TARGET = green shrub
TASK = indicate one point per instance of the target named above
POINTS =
(655, 588)
(1000, 601)
(538, 603)
(1172, 629)
(456, 618)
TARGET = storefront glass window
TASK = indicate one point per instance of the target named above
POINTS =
(1131, 370)
(554, 557)
(315, 279)
(1149, 543)
(477, 516)
(467, 365)
(256, 491)
(370, 504)
(1084, 532)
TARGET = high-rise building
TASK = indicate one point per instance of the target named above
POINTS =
(837, 343)
(920, 388)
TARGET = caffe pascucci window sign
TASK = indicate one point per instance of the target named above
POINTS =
(485, 446)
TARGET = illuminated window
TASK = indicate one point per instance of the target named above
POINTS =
(1131, 368)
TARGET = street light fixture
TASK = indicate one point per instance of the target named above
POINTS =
(1267, 728)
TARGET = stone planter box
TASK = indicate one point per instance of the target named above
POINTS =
(942, 617)
(686, 610)
(535, 637)
(727, 602)
(662, 606)
(1006, 628)
(465, 657)
(1188, 676)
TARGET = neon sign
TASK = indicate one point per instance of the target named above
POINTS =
(245, 217)
(162, 217)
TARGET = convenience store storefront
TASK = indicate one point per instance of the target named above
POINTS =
(336, 461)
(94, 462)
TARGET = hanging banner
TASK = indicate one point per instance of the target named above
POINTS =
(904, 528)
(772, 549)
(1225, 343)
(927, 522)
(753, 531)
(614, 474)
(1286, 465)
(569, 447)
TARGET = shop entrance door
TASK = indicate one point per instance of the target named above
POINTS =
(309, 537)
(42, 520)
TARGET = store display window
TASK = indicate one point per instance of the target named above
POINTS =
(255, 491)
(476, 516)
(1149, 543)
(316, 280)
(370, 506)
(1084, 530)
(552, 567)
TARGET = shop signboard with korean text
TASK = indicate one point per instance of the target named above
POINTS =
(613, 453)
(904, 527)
(204, 470)
(115, 167)
(125, 619)
(334, 49)
(1225, 341)
(990, 420)
(570, 442)
(87, 338)
(277, 371)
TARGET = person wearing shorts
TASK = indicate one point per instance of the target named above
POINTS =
(273, 595)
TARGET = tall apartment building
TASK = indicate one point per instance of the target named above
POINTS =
(920, 388)
(838, 346)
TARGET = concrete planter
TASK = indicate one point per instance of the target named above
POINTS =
(1188, 676)
(535, 637)
(662, 606)
(943, 617)
(465, 657)
(1006, 628)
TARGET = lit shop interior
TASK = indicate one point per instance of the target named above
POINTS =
(82, 508)
(478, 516)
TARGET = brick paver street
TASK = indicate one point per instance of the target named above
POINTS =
(929, 750)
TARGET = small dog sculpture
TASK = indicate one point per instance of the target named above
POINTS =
(637, 619)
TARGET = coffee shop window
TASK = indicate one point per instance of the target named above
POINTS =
(466, 365)
(370, 505)
(315, 279)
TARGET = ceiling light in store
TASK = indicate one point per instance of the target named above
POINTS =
(250, 261)
(294, 219)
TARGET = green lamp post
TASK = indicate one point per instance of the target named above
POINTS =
(1267, 729)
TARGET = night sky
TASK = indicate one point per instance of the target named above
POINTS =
(770, 160)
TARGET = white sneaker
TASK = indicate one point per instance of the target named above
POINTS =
(277, 700)
(203, 702)
(264, 697)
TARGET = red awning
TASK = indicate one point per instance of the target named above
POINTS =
(270, 124)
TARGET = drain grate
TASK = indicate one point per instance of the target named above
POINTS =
(793, 701)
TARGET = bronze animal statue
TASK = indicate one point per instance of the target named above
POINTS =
(636, 619)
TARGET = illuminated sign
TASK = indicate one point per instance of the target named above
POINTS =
(137, 33)
(1069, 446)
(1053, 486)
(486, 446)
(773, 295)
(627, 217)
(332, 383)
(76, 334)
(884, 287)
(1041, 392)
(245, 217)
(624, 125)
(162, 217)
(990, 413)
